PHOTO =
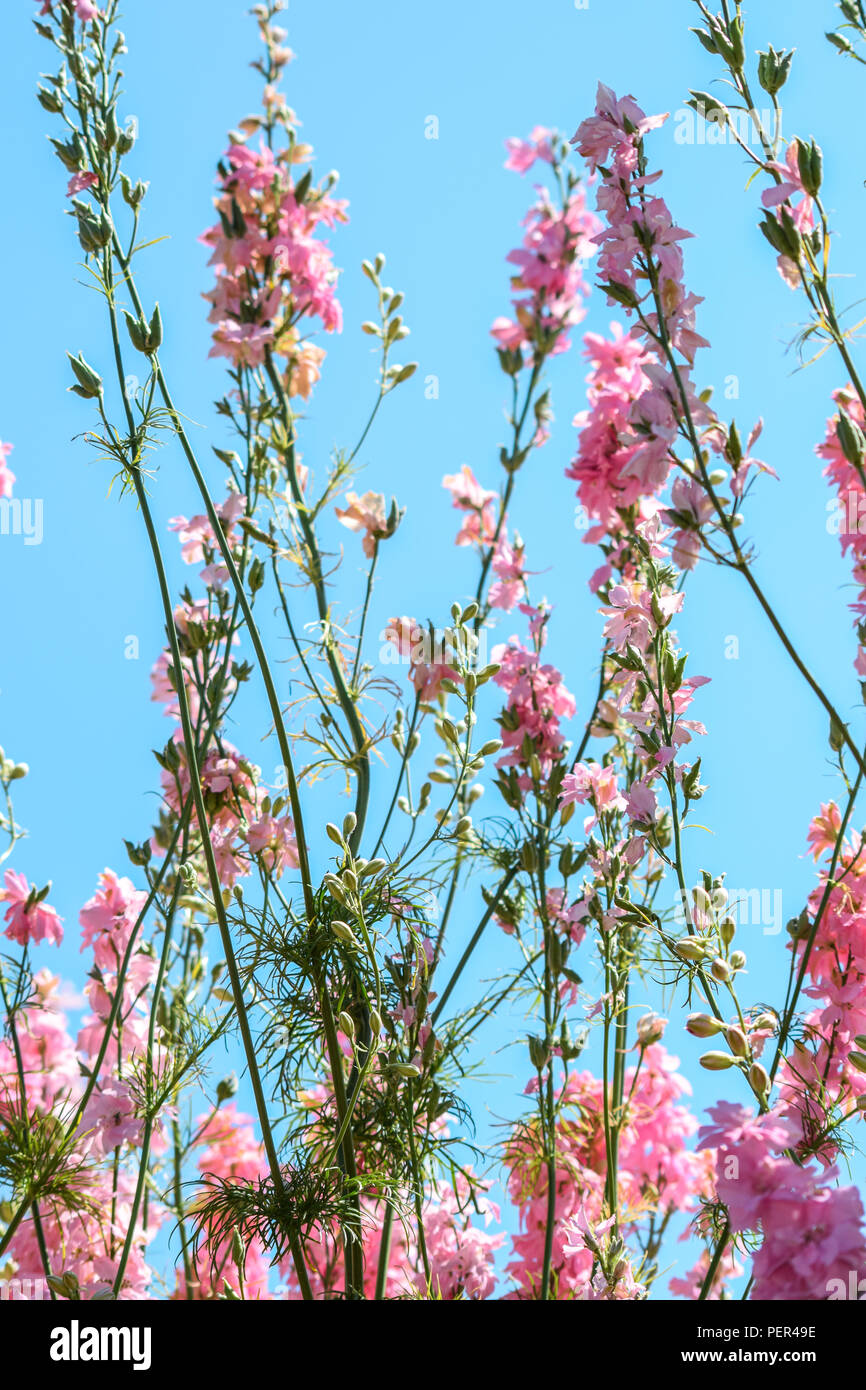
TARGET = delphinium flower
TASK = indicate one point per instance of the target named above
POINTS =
(691, 1284)
(658, 1173)
(844, 450)
(108, 921)
(83, 1224)
(85, 1240)
(549, 280)
(198, 542)
(227, 1259)
(28, 917)
(642, 270)
(537, 701)
(477, 503)
(607, 487)
(244, 823)
(368, 516)
(84, 10)
(823, 1075)
(50, 1061)
(274, 272)
(429, 660)
(810, 1228)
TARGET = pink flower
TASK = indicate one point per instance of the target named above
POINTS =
(427, 658)
(469, 496)
(243, 343)
(365, 514)
(641, 801)
(594, 783)
(466, 491)
(616, 128)
(7, 477)
(556, 243)
(537, 700)
(79, 182)
(522, 154)
(274, 839)
(109, 918)
(630, 620)
(508, 566)
(824, 829)
(28, 918)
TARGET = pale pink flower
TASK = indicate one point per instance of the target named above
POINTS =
(28, 918)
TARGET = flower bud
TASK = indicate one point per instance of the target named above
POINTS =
(736, 1040)
(716, 1061)
(703, 1025)
(690, 948)
(650, 1029)
(227, 1087)
(766, 1021)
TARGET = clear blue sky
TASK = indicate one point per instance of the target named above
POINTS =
(445, 213)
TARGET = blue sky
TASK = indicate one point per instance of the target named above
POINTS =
(366, 80)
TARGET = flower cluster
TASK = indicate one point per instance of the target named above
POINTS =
(823, 1074)
(811, 1229)
(273, 270)
(537, 701)
(643, 400)
(658, 1172)
(844, 451)
(549, 283)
